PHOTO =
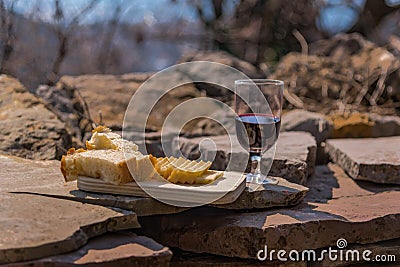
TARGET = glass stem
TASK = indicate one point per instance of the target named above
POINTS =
(255, 163)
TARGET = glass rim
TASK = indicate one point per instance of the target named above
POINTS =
(260, 81)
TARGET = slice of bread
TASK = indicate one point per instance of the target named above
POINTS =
(103, 138)
(112, 166)
(109, 165)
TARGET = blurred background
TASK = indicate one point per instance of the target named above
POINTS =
(84, 59)
(41, 40)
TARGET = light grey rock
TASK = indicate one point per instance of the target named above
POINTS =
(371, 159)
(364, 125)
(267, 196)
(311, 122)
(294, 157)
(384, 126)
(314, 123)
(223, 58)
(220, 57)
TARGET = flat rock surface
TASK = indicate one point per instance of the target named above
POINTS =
(332, 182)
(181, 259)
(37, 226)
(358, 215)
(386, 252)
(45, 178)
(27, 128)
(266, 196)
(294, 156)
(302, 120)
(371, 159)
(116, 249)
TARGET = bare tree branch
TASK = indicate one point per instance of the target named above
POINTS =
(63, 33)
(7, 36)
(103, 60)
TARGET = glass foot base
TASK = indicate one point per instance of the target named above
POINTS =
(260, 179)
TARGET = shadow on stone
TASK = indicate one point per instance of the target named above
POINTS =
(321, 184)
(332, 182)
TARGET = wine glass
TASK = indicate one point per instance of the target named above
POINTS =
(258, 107)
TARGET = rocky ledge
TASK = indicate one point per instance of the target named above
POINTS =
(371, 159)
(27, 128)
(338, 207)
(116, 249)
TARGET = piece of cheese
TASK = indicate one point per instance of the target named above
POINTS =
(209, 177)
(180, 170)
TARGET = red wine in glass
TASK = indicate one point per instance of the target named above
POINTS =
(258, 107)
(257, 132)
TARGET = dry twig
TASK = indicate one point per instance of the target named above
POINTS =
(292, 98)
(380, 87)
(86, 114)
(302, 41)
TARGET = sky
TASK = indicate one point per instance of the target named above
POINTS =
(133, 11)
(337, 17)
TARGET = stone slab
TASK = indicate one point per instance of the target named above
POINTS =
(332, 182)
(364, 125)
(359, 219)
(267, 196)
(337, 207)
(302, 120)
(182, 259)
(385, 248)
(386, 252)
(294, 156)
(314, 123)
(34, 226)
(45, 178)
(371, 159)
(116, 249)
